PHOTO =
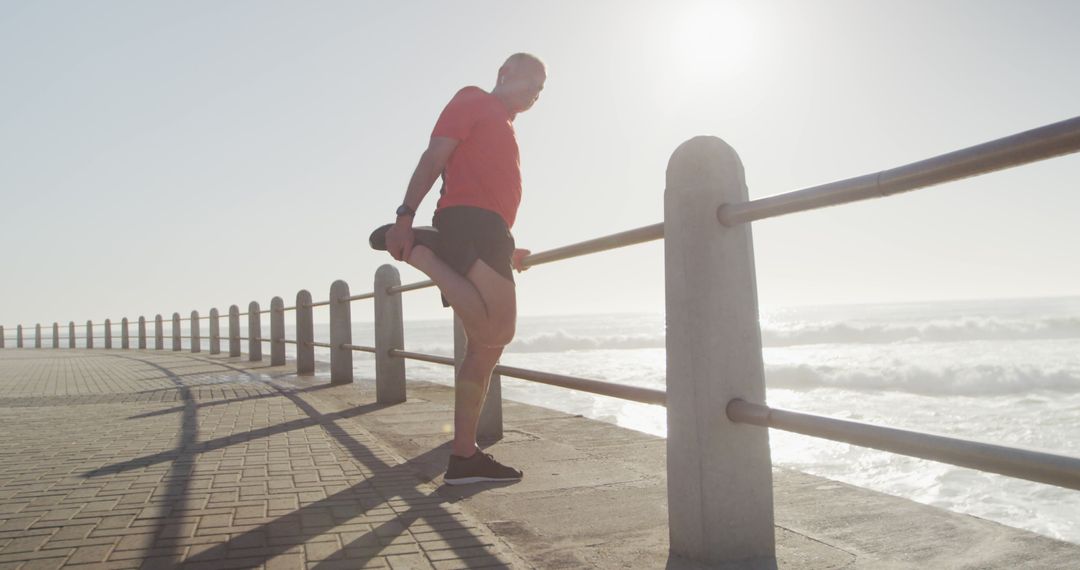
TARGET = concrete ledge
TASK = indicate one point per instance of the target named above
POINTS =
(594, 496)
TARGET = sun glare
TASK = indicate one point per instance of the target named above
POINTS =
(712, 39)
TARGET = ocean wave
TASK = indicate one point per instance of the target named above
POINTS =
(965, 329)
(978, 380)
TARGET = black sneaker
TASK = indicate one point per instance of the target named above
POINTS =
(480, 467)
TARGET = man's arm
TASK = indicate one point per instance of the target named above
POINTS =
(399, 240)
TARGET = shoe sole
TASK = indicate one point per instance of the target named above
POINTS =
(426, 236)
(468, 480)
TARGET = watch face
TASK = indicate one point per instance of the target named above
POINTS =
(404, 210)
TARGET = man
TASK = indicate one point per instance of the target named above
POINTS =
(471, 254)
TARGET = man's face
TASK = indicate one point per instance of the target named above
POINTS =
(524, 87)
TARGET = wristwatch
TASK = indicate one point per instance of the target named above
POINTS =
(404, 210)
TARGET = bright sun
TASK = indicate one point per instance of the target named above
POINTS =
(712, 38)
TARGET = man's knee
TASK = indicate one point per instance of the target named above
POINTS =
(503, 333)
(493, 335)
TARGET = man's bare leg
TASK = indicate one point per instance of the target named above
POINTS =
(470, 391)
(474, 377)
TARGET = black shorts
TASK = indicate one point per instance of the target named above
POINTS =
(468, 234)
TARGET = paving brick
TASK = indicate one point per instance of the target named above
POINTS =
(27, 544)
(286, 562)
(45, 564)
(88, 554)
(409, 562)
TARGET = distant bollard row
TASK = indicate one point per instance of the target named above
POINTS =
(390, 370)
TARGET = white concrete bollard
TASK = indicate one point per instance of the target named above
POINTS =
(89, 334)
(215, 332)
(277, 332)
(341, 358)
(37, 335)
(159, 333)
(71, 334)
(305, 334)
(55, 335)
(720, 499)
(125, 337)
(108, 333)
(389, 334)
(142, 333)
(490, 427)
(176, 344)
(254, 332)
(196, 334)
(234, 330)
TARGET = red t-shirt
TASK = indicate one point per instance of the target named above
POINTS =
(485, 169)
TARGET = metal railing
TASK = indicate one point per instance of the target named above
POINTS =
(713, 340)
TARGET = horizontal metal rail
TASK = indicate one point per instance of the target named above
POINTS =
(283, 309)
(319, 304)
(359, 348)
(411, 287)
(632, 393)
(421, 356)
(1022, 148)
(1038, 466)
(322, 344)
(359, 297)
(287, 341)
(605, 243)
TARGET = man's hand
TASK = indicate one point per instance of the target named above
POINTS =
(399, 240)
(518, 259)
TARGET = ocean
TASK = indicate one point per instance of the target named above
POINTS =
(1001, 371)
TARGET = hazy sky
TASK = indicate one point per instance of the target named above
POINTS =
(169, 156)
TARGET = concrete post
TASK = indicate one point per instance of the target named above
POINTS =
(720, 500)
(71, 334)
(125, 336)
(490, 427)
(18, 336)
(1, 336)
(55, 335)
(234, 330)
(142, 333)
(89, 334)
(254, 332)
(37, 335)
(341, 358)
(305, 334)
(176, 344)
(389, 334)
(215, 332)
(159, 333)
(277, 331)
(108, 333)
(196, 333)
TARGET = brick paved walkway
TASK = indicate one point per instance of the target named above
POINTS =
(155, 459)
